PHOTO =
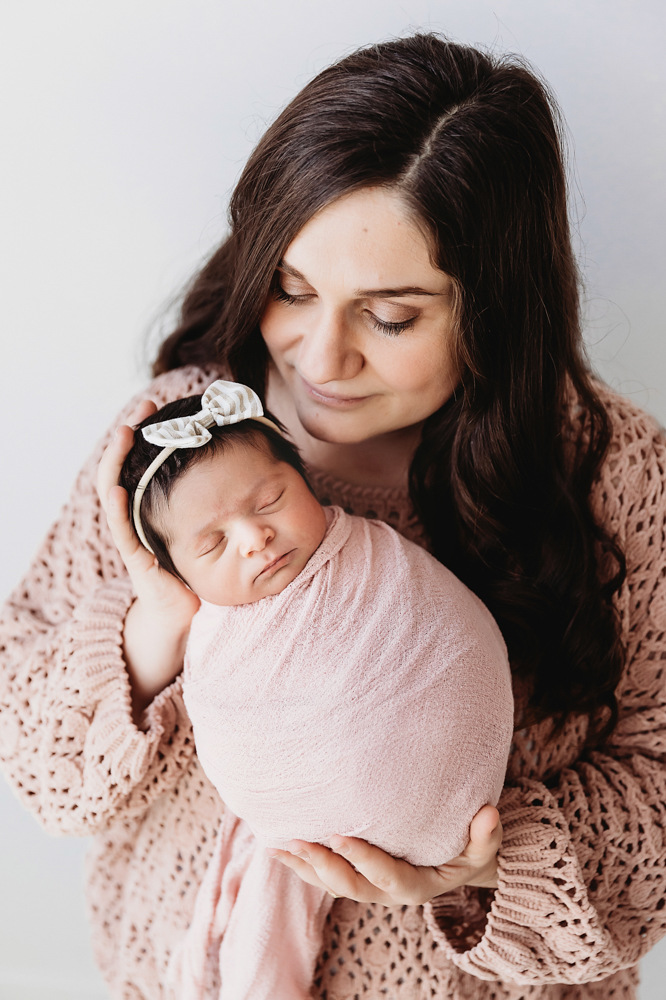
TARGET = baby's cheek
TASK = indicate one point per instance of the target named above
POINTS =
(210, 586)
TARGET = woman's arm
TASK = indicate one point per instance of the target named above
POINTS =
(582, 867)
(581, 871)
(68, 742)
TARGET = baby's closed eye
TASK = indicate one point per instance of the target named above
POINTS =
(212, 543)
(265, 504)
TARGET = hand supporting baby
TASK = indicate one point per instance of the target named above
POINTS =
(359, 871)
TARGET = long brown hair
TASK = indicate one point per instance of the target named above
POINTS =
(503, 475)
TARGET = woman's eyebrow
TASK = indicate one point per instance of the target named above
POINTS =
(393, 293)
(288, 269)
(366, 293)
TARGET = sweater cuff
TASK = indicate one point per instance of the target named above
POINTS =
(541, 927)
(97, 747)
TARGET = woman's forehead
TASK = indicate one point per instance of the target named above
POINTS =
(368, 242)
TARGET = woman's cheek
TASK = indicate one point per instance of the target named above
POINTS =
(423, 369)
(277, 329)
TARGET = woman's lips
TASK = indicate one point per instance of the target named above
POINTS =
(276, 564)
(330, 399)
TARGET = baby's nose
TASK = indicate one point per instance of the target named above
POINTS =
(255, 538)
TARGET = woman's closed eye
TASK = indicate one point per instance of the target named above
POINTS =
(393, 329)
(283, 296)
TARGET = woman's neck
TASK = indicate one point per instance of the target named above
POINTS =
(379, 461)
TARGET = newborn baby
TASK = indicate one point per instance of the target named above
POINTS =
(339, 680)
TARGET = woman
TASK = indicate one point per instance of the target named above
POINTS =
(399, 284)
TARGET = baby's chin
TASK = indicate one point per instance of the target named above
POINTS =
(260, 589)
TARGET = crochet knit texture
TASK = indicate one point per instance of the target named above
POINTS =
(581, 892)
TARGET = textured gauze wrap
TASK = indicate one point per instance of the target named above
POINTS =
(370, 698)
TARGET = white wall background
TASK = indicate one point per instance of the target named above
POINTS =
(124, 126)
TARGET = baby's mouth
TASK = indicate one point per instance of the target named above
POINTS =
(276, 564)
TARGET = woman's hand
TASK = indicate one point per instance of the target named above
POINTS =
(359, 871)
(158, 622)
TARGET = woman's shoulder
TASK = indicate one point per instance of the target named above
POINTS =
(636, 436)
(191, 380)
(633, 472)
(391, 504)
(631, 424)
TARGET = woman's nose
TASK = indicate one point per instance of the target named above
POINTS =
(254, 537)
(328, 351)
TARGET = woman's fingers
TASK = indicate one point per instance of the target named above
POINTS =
(485, 833)
(114, 499)
(304, 870)
(325, 870)
(477, 865)
(145, 408)
(132, 552)
(165, 594)
(397, 880)
(363, 872)
(485, 839)
(116, 452)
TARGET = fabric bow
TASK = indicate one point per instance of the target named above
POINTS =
(222, 403)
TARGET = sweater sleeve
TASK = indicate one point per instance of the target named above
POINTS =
(582, 867)
(68, 745)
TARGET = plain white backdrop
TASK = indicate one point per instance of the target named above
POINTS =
(124, 126)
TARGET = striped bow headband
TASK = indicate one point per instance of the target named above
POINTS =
(222, 403)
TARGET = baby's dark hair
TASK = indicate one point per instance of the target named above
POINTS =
(156, 497)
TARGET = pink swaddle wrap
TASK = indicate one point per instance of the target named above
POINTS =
(370, 698)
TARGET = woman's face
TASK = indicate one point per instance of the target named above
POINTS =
(360, 328)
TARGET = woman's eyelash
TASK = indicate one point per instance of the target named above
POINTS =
(392, 328)
(282, 296)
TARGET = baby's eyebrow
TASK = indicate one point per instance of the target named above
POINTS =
(206, 530)
(210, 527)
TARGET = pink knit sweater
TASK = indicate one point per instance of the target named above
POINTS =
(582, 867)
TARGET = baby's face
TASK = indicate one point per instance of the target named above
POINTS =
(241, 525)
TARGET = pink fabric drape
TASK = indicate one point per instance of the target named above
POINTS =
(371, 698)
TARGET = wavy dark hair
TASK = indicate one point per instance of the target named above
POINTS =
(503, 475)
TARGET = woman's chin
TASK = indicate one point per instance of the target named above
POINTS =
(334, 430)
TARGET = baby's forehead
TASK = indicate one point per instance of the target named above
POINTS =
(223, 483)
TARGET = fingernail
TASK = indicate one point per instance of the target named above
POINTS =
(343, 849)
(303, 854)
(272, 854)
